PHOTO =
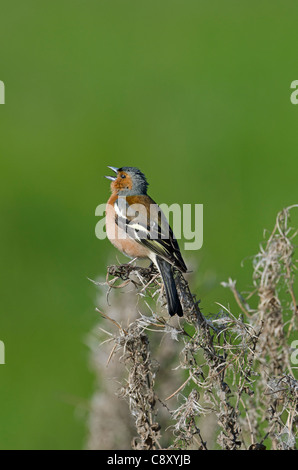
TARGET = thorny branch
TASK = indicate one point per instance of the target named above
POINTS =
(234, 369)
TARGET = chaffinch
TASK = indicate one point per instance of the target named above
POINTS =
(137, 227)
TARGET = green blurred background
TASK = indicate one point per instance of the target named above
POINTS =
(196, 94)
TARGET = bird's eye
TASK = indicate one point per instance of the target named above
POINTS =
(123, 176)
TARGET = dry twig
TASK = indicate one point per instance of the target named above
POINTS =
(232, 366)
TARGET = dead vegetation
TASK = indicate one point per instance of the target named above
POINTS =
(225, 381)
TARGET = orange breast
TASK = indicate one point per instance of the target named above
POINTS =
(119, 237)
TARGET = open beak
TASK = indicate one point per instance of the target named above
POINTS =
(112, 178)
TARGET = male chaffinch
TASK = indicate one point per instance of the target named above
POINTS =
(145, 235)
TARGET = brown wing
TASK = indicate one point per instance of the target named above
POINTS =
(145, 222)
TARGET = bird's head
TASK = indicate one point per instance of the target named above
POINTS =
(129, 181)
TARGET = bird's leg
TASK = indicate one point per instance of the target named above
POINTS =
(152, 267)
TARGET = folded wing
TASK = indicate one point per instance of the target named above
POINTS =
(143, 220)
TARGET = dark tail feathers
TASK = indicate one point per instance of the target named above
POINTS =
(174, 305)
